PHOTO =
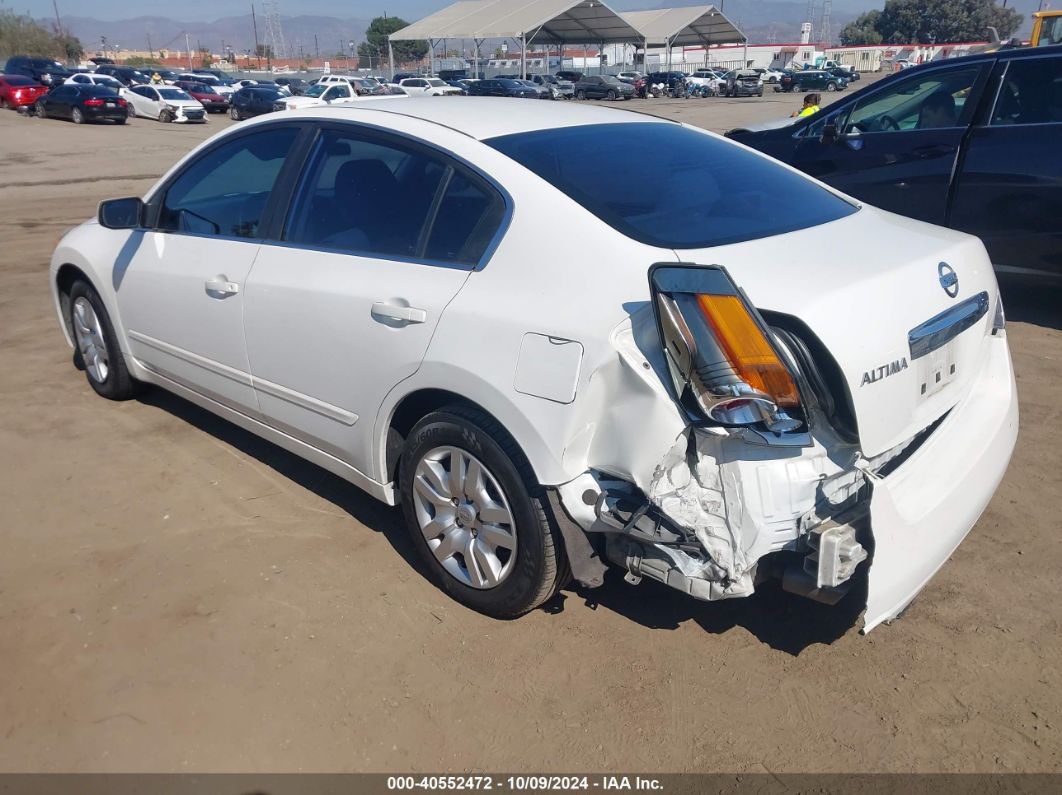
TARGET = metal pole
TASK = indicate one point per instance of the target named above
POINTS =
(391, 58)
(523, 56)
(745, 55)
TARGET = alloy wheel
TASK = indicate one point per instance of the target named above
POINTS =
(90, 340)
(465, 517)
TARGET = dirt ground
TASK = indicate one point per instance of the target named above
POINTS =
(177, 595)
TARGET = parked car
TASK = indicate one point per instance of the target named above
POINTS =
(19, 91)
(630, 77)
(460, 85)
(743, 83)
(558, 89)
(91, 79)
(427, 87)
(500, 87)
(949, 142)
(710, 78)
(767, 75)
(709, 427)
(253, 101)
(603, 87)
(400, 76)
(541, 91)
(812, 79)
(220, 85)
(296, 85)
(671, 81)
(126, 75)
(164, 103)
(570, 76)
(317, 95)
(82, 104)
(205, 95)
(42, 70)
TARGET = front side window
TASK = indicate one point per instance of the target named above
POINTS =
(1031, 92)
(931, 101)
(339, 92)
(693, 189)
(225, 191)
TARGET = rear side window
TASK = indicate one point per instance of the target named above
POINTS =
(683, 189)
(1031, 92)
(226, 190)
(466, 221)
(365, 196)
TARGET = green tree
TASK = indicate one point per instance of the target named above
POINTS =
(927, 21)
(863, 29)
(140, 60)
(206, 60)
(20, 35)
(375, 45)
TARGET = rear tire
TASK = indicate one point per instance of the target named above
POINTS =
(97, 351)
(39, 110)
(504, 582)
(234, 114)
(580, 95)
(76, 116)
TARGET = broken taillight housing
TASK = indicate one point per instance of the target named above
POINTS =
(724, 365)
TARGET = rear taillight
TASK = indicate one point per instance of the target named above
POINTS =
(724, 365)
(93, 103)
(121, 102)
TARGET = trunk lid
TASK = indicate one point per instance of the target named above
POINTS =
(873, 289)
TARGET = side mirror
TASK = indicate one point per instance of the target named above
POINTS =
(121, 213)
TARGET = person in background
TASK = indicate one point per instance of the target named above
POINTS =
(811, 105)
(156, 79)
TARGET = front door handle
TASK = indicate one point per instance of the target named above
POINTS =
(403, 314)
(221, 287)
(933, 150)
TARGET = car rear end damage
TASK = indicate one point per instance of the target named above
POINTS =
(729, 505)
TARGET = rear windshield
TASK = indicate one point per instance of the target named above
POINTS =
(670, 186)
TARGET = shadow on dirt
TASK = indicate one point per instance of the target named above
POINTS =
(783, 621)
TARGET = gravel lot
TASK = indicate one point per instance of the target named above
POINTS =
(178, 595)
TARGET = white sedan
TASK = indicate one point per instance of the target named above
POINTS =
(428, 86)
(164, 103)
(689, 386)
(90, 79)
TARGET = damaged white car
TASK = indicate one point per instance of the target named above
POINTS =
(679, 379)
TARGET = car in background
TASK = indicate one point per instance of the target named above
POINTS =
(971, 143)
(400, 76)
(460, 85)
(296, 85)
(320, 94)
(43, 70)
(603, 87)
(847, 72)
(19, 91)
(768, 75)
(82, 104)
(93, 79)
(541, 90)
(126, 75)
(253, 101)
(630, 77)
(205, 95)
(559, 89)
(164, 103)
(501, 87)
(220, 85)
(712, 79)
(812, 80)
(743, 83)
(427, 87)
(692, 386)
(674, 82)
(569, 75)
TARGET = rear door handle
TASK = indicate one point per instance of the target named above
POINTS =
(404, 314)
(933, 150)
(221, 287)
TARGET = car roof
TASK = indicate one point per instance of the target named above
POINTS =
(484, 117)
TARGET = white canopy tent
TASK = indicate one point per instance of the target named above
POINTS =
(692, 26)
(545, 22)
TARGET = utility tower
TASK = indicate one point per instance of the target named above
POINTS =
(825, 34)
(274, 33)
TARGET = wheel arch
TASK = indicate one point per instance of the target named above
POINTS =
(65, 276)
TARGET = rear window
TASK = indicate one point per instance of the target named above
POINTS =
(669, 186)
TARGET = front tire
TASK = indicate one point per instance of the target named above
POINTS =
(580, 95)
(97, 350)
(831, 86)
(165, 116)
(476, 518)
(610, 95)
(234, 114)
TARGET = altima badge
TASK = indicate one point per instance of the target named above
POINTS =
(892, 368)
(949, 280)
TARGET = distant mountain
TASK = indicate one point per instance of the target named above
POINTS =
(150, 32)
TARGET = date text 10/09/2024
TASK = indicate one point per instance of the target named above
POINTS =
(530, 783)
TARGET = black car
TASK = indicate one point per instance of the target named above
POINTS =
(743, 83)
(43, 70)
(812, 80)
(851, 75)
(126, 75)
(603, 87)
(253, 101)
(571, 77)
(972, 143)
(82, 103)
(673, 81)
(501, 87)
(296, 85)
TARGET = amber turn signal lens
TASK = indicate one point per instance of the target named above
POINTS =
(747, 348)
